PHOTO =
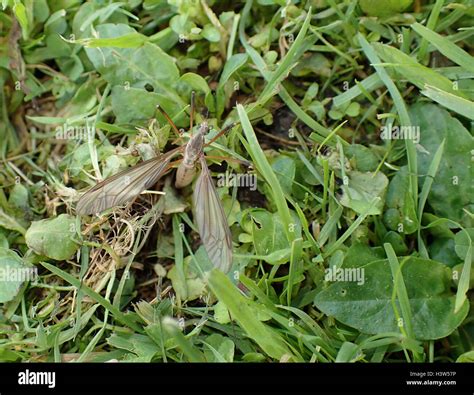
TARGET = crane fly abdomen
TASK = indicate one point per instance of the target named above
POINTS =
(184, 175)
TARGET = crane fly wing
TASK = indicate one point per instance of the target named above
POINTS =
(211, 221)
(124, 186)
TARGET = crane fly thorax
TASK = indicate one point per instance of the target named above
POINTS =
(194, 146)
(192, 152)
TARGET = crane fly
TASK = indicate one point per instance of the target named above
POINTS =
(209, 215)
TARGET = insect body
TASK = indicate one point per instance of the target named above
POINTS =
(209, 213)
(187, 168)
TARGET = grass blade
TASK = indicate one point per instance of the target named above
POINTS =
(400, 293)
(446, 47)
(119, 316)
(432, 20)
(286, 64)
(263, 69)
(401, 108)
(451, 102)
(266, 170)
(296, 267)
(425, 190)
(463, 285)
(241, 310)
(186, 346)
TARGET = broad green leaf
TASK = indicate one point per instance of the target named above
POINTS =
(9, 222)
(442, 250)
(55, 48)
(193, 287)
(124, 105)
(267, 232)
(173, 202)
(3, 241)
(368, 306)
(463, 241)
(19, 205)
(143, 348)
(397, 242)
(56, 24)
(40, 10)
(315, 64)
(219, 348)
(196, 82)
(231, 66)
(221, 313)
(53, 237)
(451, 192)
(466, 357)
(285, 169)
(100, 13)
(362, 158)
(113, 164)
(210, 33)
(83, 101)
(13, 272)
(360, 254)
(81, 158)
(135, 67)
(362, 189)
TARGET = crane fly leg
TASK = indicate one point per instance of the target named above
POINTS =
(191, 115)
(170, 121)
